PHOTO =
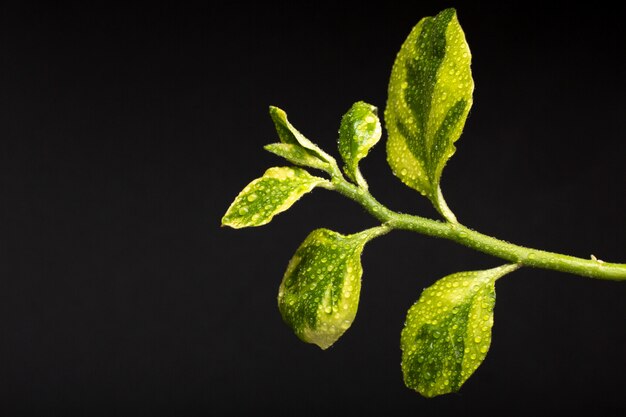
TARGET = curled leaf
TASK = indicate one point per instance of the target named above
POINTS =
(277, 190)
(359, 131)
(298, 155)
(447, 332)
(290, 135)
(319, 294)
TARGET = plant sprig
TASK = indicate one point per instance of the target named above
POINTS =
(447, 332)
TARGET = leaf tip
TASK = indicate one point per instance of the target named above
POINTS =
(276, 111)
(448, 11)
(232, 224)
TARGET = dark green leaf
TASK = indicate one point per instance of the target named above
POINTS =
(447, 332)
(319, 294)
(429, 97)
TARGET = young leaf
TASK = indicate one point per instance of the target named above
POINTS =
(447, 332)
(290, 135)
(298, 155)
(429, 97)
(359, 131)
(319, 294)
(269, 195)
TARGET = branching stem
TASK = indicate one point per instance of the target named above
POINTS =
(463, 235)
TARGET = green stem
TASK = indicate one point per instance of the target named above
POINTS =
(443, 208)
(465, 236)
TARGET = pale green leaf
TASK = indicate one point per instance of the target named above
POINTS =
(447, 332)
(319, 294)
(359, 131)
(277, 190)
(297, 155)
(429, 97)
(290, 135)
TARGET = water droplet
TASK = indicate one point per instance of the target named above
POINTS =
(252, 197)
(478, 339)
(243, 211)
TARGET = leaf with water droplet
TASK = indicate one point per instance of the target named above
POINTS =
(447, 332)
(429, 97)
(359, 131)
(319, 294)
(277, 190)
(298, 155)
(290, 135)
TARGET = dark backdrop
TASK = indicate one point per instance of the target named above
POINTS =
(125, 133)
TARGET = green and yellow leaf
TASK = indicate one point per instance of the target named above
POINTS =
(447, 332)
(277, 190)
(298, 155)
(429, 97)
(359, 131)
(290, 135)
(319, 294)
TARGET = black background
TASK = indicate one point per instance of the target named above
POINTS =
(125, 133)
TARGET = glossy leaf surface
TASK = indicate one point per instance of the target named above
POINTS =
(360, 130)
(429, 97)
(277, 190)
(319, 294)
(297, 154)
(447, 332)
(290, 135)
